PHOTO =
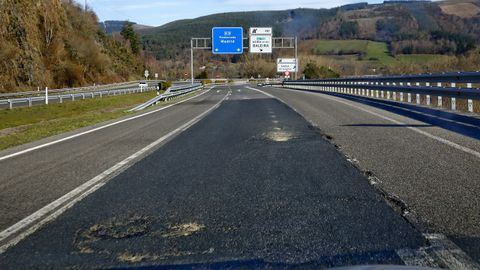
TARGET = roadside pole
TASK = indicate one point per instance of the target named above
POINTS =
(191, 59)
(296, 59)
(46, 95)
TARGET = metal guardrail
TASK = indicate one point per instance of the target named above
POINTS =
(428, 85)
(99, 87)
(453, 77)
(29, 101)
(171, 92)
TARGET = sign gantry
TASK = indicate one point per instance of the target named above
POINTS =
(229, 40)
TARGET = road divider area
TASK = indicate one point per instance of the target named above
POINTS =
(172, 92)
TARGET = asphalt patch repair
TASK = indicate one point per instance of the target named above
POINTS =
(113, 238)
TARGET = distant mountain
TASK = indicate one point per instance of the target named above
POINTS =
(451, 27)
(116, 26)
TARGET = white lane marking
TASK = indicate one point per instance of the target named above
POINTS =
(51, 211)
(449, 253)
(424, 133)
(410, 110)
(96, 129)
(441, 253)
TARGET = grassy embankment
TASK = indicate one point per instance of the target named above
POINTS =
(363, 55)
(23, 125)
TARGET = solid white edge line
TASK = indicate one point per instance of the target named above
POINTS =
(96, 129)
(65, 202)
(417, 130)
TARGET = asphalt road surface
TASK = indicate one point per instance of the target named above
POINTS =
(251, 184)
(394, 142)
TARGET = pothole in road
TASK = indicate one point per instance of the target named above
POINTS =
(122, 237)
(186, 229)
(279, 136)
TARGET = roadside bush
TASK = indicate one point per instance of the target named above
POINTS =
(164, 85)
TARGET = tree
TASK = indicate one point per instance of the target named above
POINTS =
(129, 34)
(202, 75)
(348, 29)
(312, 71)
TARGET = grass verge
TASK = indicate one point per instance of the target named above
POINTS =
(23, 125)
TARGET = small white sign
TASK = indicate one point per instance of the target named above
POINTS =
(260, 31)
(156, 75)
(286, 64)
(146, 74)
(261, 44)
(261, 40)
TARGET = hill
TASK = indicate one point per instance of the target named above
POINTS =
(406, 26)
(56, 44)
(111, 27)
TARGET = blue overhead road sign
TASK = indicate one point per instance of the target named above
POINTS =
(227, 40)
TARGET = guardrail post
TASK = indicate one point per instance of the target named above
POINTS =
(428, 96)
(101, 94)
(83, 96)
(417, 96)
(29, 102)
(470, 101)
(453, 100)
(401, 93)
(93, 95)
(61, 99)
(10, 104)
(439, 98)
(46, 95)
(73, 97)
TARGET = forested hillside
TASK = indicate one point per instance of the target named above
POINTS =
(54, 43)
(449, 27)
(394, 35)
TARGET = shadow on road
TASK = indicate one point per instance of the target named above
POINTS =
(383, 125)
(465, 125)
(381, 257)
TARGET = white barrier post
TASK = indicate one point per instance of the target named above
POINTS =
(454, 100)
(439, 98)
(470, 102)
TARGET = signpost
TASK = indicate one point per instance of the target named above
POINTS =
(146, 74)
(261, 40)
(286, 65)
(227, 40)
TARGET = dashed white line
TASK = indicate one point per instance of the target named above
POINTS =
(15, 233)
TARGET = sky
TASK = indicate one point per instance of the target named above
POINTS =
(156, 13)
